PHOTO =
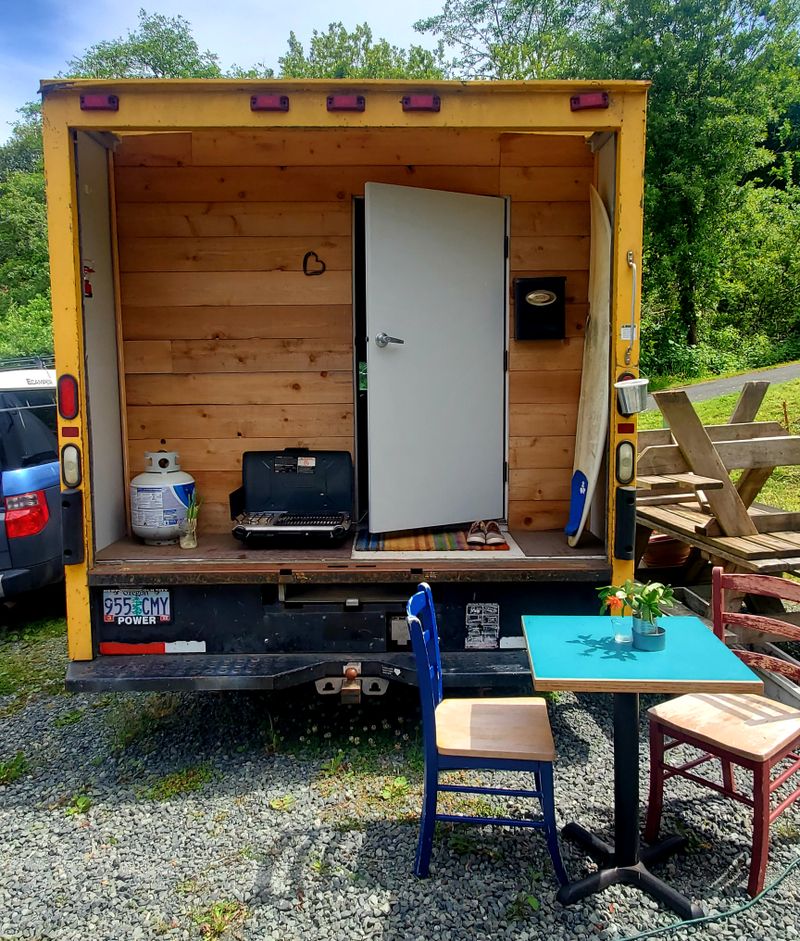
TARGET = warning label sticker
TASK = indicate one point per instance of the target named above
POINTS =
(483, 626)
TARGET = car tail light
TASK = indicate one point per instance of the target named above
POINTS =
(26, 514)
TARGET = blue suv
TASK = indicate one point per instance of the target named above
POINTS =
(30, 502)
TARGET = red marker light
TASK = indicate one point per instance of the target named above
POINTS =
(99, 103)
(269, 103)
(422, 103)
(346, 103)
(589, 100)
(68, 406)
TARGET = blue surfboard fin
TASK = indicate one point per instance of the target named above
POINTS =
(580, 487)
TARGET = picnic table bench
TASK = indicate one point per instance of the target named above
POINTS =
(685, 489)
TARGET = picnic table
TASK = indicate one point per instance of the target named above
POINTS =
(685, 489)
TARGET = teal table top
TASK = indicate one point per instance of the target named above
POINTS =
(580, 653)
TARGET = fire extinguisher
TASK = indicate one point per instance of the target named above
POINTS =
(87, 284)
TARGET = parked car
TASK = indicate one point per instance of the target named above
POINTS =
(30, 507)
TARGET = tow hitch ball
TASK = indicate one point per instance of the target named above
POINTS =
(351, 685)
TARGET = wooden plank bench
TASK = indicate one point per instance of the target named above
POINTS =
(687, 492)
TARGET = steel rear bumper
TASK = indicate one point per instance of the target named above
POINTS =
(494, 668)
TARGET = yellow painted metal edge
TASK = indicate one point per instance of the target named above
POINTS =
(191, 104)
(65, 278)
(54, 85)
(628, 222)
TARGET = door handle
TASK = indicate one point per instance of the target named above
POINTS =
(383, 339)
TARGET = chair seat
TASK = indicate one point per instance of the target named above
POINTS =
(516, 728)
(744, 724)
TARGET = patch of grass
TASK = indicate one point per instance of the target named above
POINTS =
(464, 842)
(33, 660)
(219, 918)
(526, 902)
(781, 404)
(188, 887)
(68, 718)
(786, 829)
(284, 803)
(249, 852)
(137, 720)
(395, 790)
(348, 825)
(79, 804)
(321, 867)
(473, 805)
(186, 781)
(334, 766)
(13, 768)
(680, 382)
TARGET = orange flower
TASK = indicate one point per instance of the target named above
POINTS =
(614, 603)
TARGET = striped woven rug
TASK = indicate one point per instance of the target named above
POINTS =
(440, 541)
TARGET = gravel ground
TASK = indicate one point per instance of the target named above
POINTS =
(141, 816)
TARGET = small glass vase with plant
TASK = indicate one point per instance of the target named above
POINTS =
(188, 536)
(646, 602)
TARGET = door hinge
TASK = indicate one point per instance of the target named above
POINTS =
(505, 360)
(505, 246)
(505, 472)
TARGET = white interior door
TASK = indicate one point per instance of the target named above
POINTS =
(435, 279)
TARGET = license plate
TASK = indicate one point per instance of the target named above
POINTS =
(136, 606)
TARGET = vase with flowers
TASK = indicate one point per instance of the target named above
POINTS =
(646, 602)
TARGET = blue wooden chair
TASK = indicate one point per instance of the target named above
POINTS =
(510, 734)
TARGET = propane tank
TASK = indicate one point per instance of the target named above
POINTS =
(159, 498)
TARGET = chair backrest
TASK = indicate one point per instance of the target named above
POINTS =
(421, 619)
(767, 586)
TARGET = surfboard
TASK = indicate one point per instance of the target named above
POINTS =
(592, 431)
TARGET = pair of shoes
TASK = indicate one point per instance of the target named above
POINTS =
(493, 535)
(477, 534)
(482, 533)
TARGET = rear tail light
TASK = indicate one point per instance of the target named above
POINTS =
(71, 465)
(26, 514)
(68, 405)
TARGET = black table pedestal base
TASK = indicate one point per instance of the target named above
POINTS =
(636, 873)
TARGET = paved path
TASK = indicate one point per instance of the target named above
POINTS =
(714, 387)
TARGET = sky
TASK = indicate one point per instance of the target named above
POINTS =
(38, 37)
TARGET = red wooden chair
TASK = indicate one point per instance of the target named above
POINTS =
(751, 731)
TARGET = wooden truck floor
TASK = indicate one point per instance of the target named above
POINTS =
(220, 557)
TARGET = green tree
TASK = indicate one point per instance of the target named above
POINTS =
(160, 47)
(512, 39)
(338, 53)
(24, 266)
(722, 75)
(23, 150)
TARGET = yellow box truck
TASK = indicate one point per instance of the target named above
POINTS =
(436, 279)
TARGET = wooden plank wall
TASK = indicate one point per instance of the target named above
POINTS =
(229, 347)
